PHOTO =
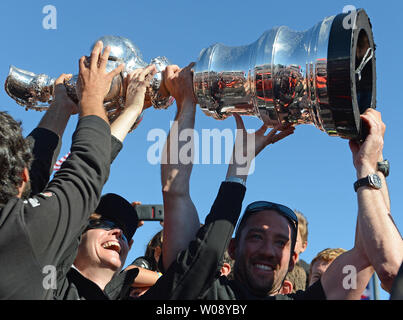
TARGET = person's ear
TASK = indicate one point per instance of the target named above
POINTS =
(286, 288)
(304, 245)
(232, 248)
(293, 261)
(130, 243)
(25, 175)
(225, 269)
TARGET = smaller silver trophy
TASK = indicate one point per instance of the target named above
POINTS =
(35, 91)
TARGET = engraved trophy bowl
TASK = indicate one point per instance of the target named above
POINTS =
(35, 91)
(324, 76)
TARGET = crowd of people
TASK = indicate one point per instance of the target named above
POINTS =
(85, 235)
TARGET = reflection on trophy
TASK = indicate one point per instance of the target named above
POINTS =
(36, 91)
(324, 76)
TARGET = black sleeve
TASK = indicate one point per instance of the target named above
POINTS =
(57, 216)
(314, 292)
(142, 262)
(116, 146)
(45, 148)
(196, 268)
(397, 288)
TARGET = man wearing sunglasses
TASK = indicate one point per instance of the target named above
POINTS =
(102, 252)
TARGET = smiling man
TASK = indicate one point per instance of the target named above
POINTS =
(263, 247)
(102, 253)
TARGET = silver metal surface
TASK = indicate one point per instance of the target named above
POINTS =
(36, 91)
(283, 77)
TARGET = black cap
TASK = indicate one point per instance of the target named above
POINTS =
(117, 209)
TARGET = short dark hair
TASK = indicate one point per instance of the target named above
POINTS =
(275, 207)
(15, 155)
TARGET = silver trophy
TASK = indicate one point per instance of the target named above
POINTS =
(323, 76)
(35, 91)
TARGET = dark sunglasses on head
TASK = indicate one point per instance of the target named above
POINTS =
(106, 225)
(267, 205)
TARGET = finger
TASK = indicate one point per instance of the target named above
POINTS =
(148, 72)
(63, 77)
(171, 70)
(370, 122)
(239, 122)
(96, 51)
(354, 146)
(116, 71)
(81, 64)
(282, 134)
(134, 74)
(190, 65)
(103, 59)
(261, 130)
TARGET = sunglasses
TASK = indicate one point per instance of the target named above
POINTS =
(267, 205)
(106, 225)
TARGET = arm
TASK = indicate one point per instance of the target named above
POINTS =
(379, 236)
(73, 194)
(196, 268)
(378, 244)
(179, 210)
(145, 277)
(138, 81)
(46, 138)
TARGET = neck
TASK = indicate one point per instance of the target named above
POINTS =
(100, 276)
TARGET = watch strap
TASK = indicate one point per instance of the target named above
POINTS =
(236, 179)
(384, 167)
(371, 180)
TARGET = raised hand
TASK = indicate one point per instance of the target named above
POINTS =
(94, 82)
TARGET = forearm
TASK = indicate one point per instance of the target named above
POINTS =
(385, 191)
(379, 235)
(180, 212)
(56, 118)
(145, 277)
(45, 149)
(347, 276)
(93, 106)
(123, 124)
(175, 168)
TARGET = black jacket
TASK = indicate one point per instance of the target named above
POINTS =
(196, 272)
(71, 285)
(34, 234)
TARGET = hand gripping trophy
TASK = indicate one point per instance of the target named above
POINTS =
(36, 91)
(324, 76)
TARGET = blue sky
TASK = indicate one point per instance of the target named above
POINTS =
(309, 171)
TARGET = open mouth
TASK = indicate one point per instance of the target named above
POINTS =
(263, 267)
(112, 245)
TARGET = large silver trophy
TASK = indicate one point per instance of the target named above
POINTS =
(324, 76)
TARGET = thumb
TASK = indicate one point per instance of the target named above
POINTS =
(354, 146)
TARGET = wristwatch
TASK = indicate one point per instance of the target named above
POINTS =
(371, 180)
(236, 179)
(384, 167)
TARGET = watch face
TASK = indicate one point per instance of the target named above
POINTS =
(375, 181)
